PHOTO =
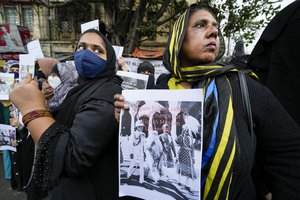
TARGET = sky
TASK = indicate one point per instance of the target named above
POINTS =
(248, 49)
(286, 2)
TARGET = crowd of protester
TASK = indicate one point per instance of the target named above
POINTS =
(70, 129)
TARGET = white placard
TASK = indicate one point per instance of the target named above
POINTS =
(90, 25)
(35, 50)
(160, 144)
(119, 51)
(133, 81)
(6, 82)
(133, 63)
(26, 65)
(7, 137)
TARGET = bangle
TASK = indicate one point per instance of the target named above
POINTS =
(34, 115)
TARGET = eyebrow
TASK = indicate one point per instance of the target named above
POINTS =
(204, 20)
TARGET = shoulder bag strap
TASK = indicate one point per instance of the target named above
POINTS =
(246, 101)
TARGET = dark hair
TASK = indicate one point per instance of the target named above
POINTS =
(146, 66)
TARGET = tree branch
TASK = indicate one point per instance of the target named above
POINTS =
(41, 2)
(161, 11)
(174, 16)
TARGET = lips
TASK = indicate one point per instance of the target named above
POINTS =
(211, 45)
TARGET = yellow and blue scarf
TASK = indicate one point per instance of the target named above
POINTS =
(220, 142)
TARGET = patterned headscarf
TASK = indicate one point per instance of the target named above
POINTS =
(68, 75)
(219, 148)
(46, 65)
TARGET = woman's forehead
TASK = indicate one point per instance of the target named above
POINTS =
(202, 14)
(92, 38)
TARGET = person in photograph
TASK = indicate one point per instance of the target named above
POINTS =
(154, 153)
(186, 160)
(169, 155)
(230, 149)
(77, 151)
(161, 117)
(9, 40)
(3, 139)
(137, 158)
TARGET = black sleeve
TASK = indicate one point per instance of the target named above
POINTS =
(64, 152)
(278, 143)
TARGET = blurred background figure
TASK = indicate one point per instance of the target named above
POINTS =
(275, 58)
(148, 69)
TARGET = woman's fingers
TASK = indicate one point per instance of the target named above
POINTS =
(119, 97)
(119, 102)
(27, 78)
(117, 114)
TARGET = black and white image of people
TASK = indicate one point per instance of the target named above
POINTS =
(133, 81)
(7, 137)
(24, 69)
(6, 82)
(160, 145)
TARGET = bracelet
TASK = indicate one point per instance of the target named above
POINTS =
(34, 115)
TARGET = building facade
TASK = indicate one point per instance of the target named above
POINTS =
(57, 28)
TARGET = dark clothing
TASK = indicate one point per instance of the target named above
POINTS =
(185, 156)
(126, 125)
(22, 160)
(79, 156)
(168, 147)
(275, 58)
(277, 139)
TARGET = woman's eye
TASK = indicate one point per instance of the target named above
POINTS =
(97, 51)
(80, 48)
(200, 25)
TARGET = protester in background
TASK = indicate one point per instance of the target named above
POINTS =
(275, 58)
(10, 67)
(4, 119)
(43, 68)
(148, 69)
(229, 147)
(122, 65)
(46, 65)
(77, 156)
(60, 81)
(22, 159)
(239, 57)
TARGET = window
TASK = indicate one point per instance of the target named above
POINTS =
(11, 16)
(64, 17)
(27, 17)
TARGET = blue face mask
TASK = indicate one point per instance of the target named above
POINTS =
(88, 64)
